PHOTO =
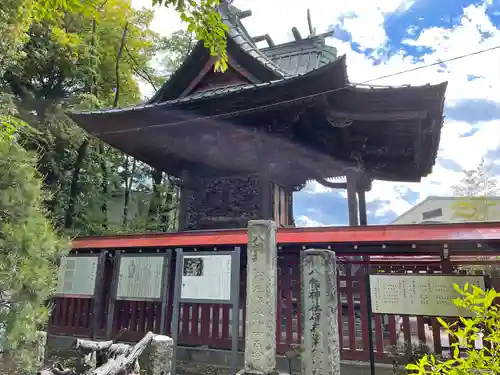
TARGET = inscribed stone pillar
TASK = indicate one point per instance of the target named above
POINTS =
(158, 358)
(41, 343)
(260, 340)
(320, 340)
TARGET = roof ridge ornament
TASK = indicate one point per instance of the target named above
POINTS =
(312, 30)
(244, 14)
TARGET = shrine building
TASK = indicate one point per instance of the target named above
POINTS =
(241, 142)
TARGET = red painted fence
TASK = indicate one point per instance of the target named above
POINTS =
(435, 249)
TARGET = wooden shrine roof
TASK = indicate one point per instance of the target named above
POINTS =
(288, 111)
(302, 56)
(240, 48)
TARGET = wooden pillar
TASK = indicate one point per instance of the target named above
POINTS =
(183, 204)
(266, 198)
(362, 208)
(291, 219)
(352, 199)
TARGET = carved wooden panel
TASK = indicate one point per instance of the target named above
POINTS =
(224, 202)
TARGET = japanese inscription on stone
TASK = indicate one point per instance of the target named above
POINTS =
(260, 338)
(206, 277)
(77, 275)
(419, 294)
(319, 295)
(140, 277)
(315, 309)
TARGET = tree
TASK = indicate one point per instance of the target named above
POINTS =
(201, 16)
(475, 189)
(30, 250)
(83, 61)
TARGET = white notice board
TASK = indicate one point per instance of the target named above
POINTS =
(77, 275)
(206, 277)
(140, 277)
(419, 294)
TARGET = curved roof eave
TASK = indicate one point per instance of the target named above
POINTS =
(338, 66)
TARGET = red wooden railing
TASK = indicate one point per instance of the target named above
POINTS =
(209, 325)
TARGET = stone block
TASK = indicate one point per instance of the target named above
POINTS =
(260, 339)
(320, 340)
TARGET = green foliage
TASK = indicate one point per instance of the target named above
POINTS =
(465, 358)
(173, 51)
(15, 18)
(201, 17)
(30, 250)
(205, 22)
(55, 55)
(70, 61)
(476, 188)
(405, 353)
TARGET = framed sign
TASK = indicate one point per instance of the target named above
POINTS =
(419, 294)
(77, 276)
(212, 278)
(414, 294)
(140, 277)
(206, 277)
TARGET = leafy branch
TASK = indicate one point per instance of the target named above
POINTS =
(205, 22)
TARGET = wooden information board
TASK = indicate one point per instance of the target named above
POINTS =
(419, 294)
(206, 277)
(140, 277)
(77, 276)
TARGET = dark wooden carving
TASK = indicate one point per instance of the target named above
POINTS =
(223, 202)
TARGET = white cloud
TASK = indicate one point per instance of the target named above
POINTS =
(363, 19)
(445, 43)
(306, 221)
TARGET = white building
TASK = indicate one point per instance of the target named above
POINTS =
(442, 210)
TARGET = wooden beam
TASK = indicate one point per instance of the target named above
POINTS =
(331, 185)
(362, 208)
(244, 73)
(352, 200)
(208, 65)
(265, 37)
(376, 116)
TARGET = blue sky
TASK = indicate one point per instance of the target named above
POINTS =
(381, 37)
(405, 30)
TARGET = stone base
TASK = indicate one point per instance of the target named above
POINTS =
(243, 372)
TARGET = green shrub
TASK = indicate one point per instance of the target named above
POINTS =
(465, 358)
(29, 251)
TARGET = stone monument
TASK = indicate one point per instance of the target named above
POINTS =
(260, 338)
(158, 356)
(320, 339)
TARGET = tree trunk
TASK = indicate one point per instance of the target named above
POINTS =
(155, 204)
(104, 170)
(75, 188)
(83, 149)
(117, 65)
(128, 180)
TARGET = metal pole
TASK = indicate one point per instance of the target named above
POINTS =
(370, 325)
(167, 266)
(112, 297)
(235, 313)
(175, 311)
